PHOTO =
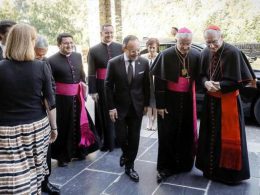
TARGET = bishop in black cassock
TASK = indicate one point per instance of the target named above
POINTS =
(175, 70)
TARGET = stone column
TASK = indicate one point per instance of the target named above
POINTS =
(105, 12)
(118, 20)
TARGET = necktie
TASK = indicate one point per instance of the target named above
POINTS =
(130, 72)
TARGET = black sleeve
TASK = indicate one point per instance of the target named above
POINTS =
(48, 86)
(203, 69)
(52, 79)
(197, 69)
(160, 89)
(91, 73)
(147, 85)
(109, 86)
(82, 72)
(229, 86)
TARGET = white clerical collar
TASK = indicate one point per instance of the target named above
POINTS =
(68, 55)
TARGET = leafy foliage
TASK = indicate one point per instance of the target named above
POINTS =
(239, 19)
(50, 17)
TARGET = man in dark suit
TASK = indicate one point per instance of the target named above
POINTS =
(127, 93)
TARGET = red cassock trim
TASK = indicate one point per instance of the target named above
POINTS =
(231, 155)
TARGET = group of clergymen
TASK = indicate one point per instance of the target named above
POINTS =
(125, 86)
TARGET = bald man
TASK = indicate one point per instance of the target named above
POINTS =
(41, 48)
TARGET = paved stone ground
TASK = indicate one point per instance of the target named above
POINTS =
(100, 173)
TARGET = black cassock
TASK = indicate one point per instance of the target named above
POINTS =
(233, 72)
(177, 133)
(69, 71)
(97, 59)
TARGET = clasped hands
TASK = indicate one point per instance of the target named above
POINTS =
(212, 86)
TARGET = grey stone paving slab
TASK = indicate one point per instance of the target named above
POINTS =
(146, 142)
(109, 162)
(191, 179)
(100, 174)
(61, 175)
(89, 182)
(151, 154)
(254, 160)
(166, 189)
(144, 145)
(248, 187)
(146, 185)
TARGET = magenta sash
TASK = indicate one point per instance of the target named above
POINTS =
(101, 73)
(183, 85)
(87, 137)
(195, 130)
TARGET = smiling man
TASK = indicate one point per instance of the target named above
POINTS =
(97, 65)
(127, 93)
(222, 149)
(74, 126)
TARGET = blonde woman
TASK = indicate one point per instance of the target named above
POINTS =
(25, 130)
(152, 45)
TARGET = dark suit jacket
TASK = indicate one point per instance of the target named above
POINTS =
(119, 94)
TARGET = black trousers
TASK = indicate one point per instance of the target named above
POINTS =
(128, 135)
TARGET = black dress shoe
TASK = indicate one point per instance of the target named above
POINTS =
(82, 157)
(62, 163)
(104, 149)
(132, 174)
(122, 161)
(162, 176)
(50, 189)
